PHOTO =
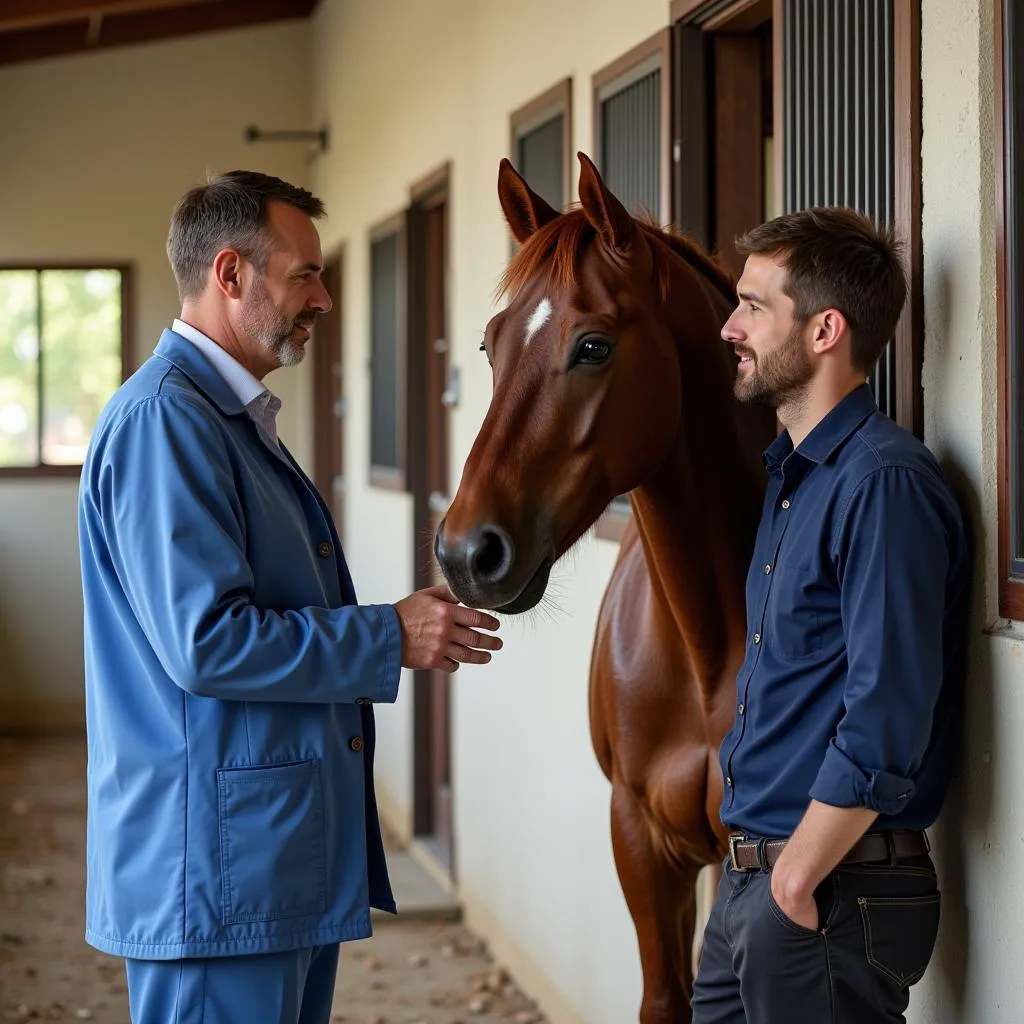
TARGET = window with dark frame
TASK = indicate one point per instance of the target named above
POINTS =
(631, 137)
(541, 140)
(1010, 276)
(387, 449)
(63, 345)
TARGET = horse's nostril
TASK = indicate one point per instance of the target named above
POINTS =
(492, 554)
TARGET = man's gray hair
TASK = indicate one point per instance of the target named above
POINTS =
(228, 212)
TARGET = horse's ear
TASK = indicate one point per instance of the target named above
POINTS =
(608, 216)
(524, 210)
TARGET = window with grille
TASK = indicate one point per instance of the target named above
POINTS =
(844, 64)
(387, 358)
(631, 137)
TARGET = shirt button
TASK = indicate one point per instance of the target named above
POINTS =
(741, 709)
(767, 570)
(728, 781)
(356, 743)
(785, 502)
(757, 638)
(324, 550)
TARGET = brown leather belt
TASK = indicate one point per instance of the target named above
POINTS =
(761, 854)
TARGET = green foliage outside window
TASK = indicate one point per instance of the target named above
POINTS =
(60, 361)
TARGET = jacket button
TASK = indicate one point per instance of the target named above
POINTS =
(363, 700)
(356, 743)
(324, 550)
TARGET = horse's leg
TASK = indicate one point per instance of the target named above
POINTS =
(707, 889)
(662, 901)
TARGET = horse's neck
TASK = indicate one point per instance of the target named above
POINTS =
(698, 516)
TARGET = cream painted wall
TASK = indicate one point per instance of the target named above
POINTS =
(407, 86)
(976, 973)
(96, 151)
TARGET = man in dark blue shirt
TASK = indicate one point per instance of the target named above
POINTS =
(847, 714)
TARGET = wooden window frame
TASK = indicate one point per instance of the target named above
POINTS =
(74, 470)
(390, 478)
(659, 45)
(1011, 586)
(909, 343)
(612, 524)
(549, 104)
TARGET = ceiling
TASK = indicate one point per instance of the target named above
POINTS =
(33, 29)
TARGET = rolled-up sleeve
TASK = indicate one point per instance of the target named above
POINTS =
(891, 557)
(177, 536)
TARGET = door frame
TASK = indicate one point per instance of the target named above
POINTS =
(428, 192)
(322, 413)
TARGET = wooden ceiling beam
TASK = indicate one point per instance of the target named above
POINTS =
(143, 26)
(25, 14)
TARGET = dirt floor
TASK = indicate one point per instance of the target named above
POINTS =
(412, 972)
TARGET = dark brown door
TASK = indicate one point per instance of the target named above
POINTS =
(431, 394)
(723, 112)
(329, 400)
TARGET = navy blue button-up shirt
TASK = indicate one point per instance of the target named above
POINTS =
(856, 610)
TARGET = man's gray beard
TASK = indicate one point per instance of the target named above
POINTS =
(270, 329)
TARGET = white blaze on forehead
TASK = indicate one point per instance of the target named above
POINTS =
(540, 317)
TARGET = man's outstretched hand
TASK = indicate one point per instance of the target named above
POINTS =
(438, 632)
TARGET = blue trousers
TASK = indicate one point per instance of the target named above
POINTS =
(295, 987)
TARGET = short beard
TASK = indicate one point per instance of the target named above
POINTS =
(270, 328)
(778, 378)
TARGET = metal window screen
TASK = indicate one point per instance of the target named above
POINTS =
(541, 160)
(838, 89)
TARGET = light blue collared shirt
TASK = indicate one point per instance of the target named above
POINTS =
(261, 404)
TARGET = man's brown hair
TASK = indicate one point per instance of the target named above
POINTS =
(837, 258)
(228, 212)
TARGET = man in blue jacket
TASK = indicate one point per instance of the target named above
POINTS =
(233, 839)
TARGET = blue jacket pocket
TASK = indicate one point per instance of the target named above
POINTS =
(271, 842)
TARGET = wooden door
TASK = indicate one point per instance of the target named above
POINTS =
(723, 114)
(329, 400)
(431, 394)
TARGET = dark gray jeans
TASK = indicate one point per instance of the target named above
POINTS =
(878, 924)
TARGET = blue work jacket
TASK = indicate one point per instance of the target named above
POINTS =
(229, 680)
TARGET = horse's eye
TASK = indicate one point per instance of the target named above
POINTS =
(592, 351)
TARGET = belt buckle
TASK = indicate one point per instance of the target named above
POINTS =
(734, 839)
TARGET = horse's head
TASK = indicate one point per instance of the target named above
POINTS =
(587, 396)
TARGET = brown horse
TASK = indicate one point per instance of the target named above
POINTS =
(610, 377)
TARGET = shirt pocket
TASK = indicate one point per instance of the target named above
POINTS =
(794, 624)
(271, 842)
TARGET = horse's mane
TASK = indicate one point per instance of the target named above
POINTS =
(561, 241)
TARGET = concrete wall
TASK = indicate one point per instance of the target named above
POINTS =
(976, 974)
(96, 151)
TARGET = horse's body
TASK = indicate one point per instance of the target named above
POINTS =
(648, 409)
